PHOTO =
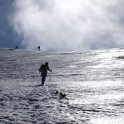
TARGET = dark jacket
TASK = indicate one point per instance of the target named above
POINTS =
(43, 69)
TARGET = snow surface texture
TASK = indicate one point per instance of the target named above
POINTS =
(92, 80)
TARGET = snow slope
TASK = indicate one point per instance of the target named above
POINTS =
(92, 80)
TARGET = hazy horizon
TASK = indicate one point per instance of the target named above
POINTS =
(65, 25)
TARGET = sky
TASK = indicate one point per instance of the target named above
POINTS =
(62, 25)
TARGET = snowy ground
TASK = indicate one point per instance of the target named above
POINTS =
(92, 80)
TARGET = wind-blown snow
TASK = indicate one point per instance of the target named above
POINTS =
(92, 80)
(63, 25)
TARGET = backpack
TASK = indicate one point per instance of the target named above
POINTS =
(41, 68)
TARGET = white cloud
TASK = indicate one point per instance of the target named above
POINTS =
(70, 24)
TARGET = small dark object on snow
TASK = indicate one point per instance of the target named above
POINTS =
(62, 95)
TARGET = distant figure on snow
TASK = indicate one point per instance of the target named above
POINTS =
(38, 48)
(43, 69)
(16, 47)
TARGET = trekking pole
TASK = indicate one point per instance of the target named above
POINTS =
(50, 76)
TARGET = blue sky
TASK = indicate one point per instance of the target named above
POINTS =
(62, 25)
(8, 38)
